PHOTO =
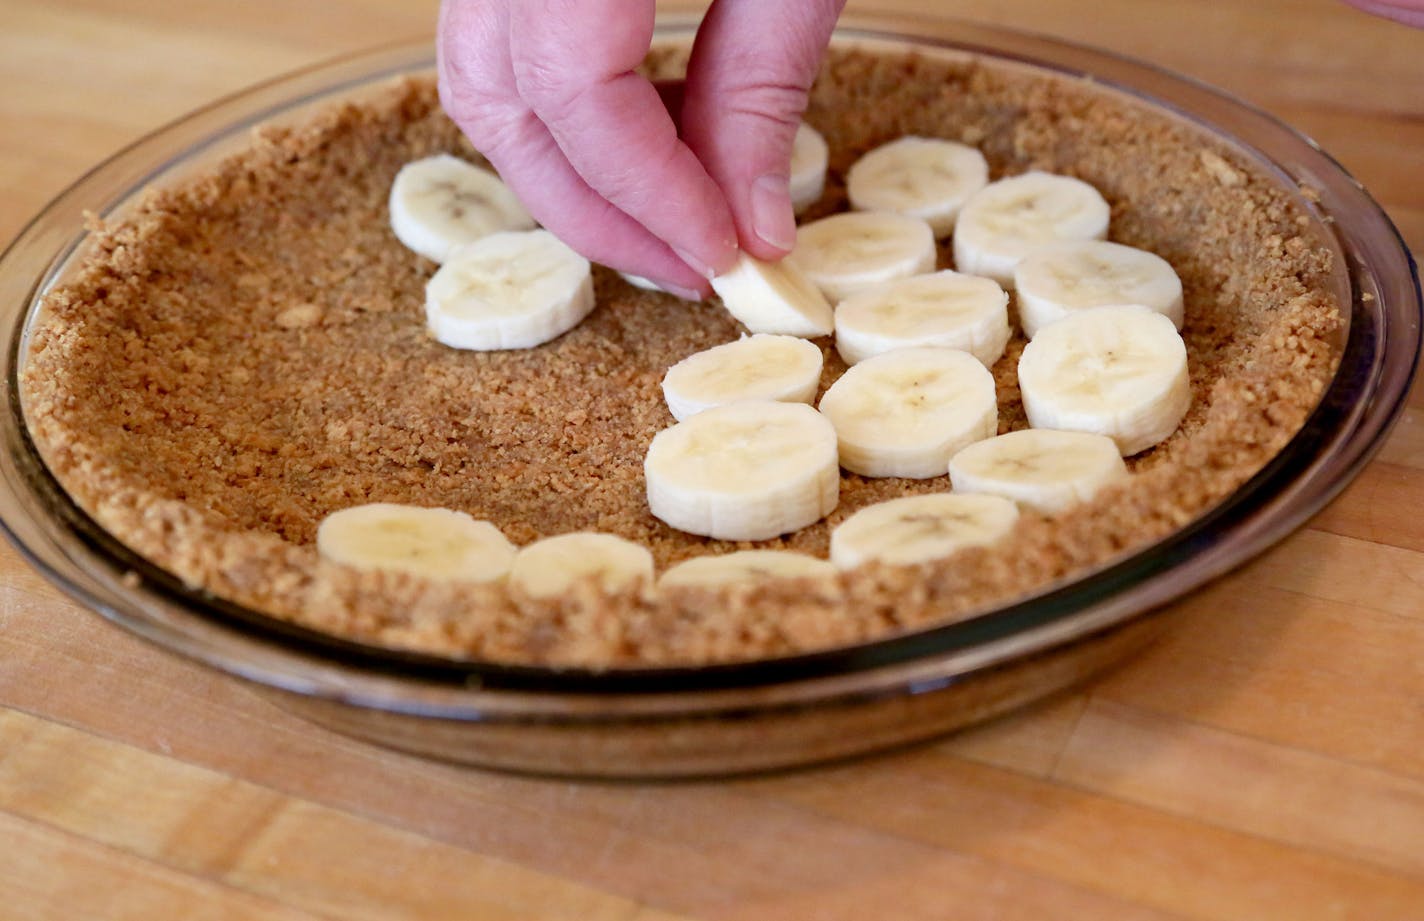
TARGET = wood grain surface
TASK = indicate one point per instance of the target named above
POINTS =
(1264, 761)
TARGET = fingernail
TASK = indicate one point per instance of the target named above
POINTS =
(687, 294)
(697, 265)
(771, 211)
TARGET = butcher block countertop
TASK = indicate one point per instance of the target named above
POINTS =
(1263, 760)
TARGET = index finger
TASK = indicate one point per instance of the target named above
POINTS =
(575, 67)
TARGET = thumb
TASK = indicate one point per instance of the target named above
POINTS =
(751, 68)
(1409, 12)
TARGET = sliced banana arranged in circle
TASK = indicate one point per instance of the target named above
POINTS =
(1045, 470)
(440, 203)
(748, 459)
(944, 309)
(550, 567)
(774, 297)
(761, 367)
(508, 291)
(1054, 282)
(927, 178)
(906, 413)
(745, 567)
(809, 157)
(745, 471)
(1010, 219)
(921, 529)
(1115, 371)
(437, 543)
(846, 253)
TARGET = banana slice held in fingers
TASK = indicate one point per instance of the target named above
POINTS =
(927, 178)
(774, 297)
(920, 529)
(752, 470)
(550, 567)
(1068, 277)
(745, 567)
(440, 203)
(1010, 219)
(1042, 469)
(782, 368)
(437, 543)
(906, 413)
(809, 158)
(508, 291)
(1114, 371)
(846, 253)
(944, 309)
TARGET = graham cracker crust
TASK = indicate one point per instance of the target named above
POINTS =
(246, 353)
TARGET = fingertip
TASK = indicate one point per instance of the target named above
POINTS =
(710, 262)
(688, 294)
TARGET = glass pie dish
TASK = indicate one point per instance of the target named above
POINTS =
(678, 721)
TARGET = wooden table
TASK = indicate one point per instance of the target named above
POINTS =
(1266, 760)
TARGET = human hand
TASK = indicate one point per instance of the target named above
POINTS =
(1409, 12)
(547, 91)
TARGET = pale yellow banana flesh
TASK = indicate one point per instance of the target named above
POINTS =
(906, 413)
(809, 158)
(745, 567)
(551, 567)
(944, 309)
(1066, 278)
(926, 178)
(511, 290)
(1114, 371)
(1042, 469)
(921, 529)
(760, 367)
(435, 543)
(847, 253)
(441, 203)
(752, 470)
(774, 298)
(1010, 219)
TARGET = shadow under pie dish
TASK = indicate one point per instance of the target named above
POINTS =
(242, 352)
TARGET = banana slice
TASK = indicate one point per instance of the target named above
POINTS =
(919, 529)
(1009, 219)
(809, 156)
(1115, 371)
(906, 413)
(1057, 281)
(847, 253)
(925, 178)
(437, 543)
(1045, 470)
(508, 291)
(774, 297)
(550, 567)
(761, 367)
(440, 203)
(745, 566)
(944, 309)
(745, 471)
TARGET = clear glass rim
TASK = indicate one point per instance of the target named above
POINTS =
(1354, 414)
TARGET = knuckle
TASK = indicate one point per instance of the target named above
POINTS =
(548, 86)
(768, 98)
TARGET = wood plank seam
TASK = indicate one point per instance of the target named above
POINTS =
(164, 869)
(287, 800)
